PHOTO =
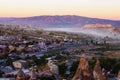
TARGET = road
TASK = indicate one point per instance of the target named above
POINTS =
(57, 49)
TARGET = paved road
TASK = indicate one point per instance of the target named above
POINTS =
(57, 49)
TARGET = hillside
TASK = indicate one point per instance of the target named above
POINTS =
(68, 23)
(58, 21)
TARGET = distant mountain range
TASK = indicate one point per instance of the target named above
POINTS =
(94, 26)
(59, 21)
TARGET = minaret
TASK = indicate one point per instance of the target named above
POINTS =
(97, 70)
(20, 75)
(33, 74)
(83, 71)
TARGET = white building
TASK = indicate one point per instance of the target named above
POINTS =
(20, 64)
(42, 45)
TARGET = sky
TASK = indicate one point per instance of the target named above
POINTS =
(108, 9)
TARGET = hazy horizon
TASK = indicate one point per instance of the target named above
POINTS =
(105, 9)
(60, 15)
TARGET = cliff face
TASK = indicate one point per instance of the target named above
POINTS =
(97, 25)
(102, 27)
(83, 70)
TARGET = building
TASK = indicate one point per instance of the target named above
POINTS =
(3, 49)
(20, 64)
(7, 78)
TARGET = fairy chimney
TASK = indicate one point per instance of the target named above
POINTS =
(33, 74)
(97, 70)
(83, 71)
(118, 75)
(103, 75)
(21, 75)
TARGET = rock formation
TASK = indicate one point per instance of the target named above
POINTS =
(97, 70)
(83, 71)
(20, 75)
(33, 74)
(118, 75)
(103, 75)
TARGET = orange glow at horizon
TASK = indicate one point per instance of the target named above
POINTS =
(108, 9)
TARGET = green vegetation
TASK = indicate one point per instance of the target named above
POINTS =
(46, 78)
(62, 69)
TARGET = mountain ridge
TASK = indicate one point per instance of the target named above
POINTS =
(86, 25)
(58, 21)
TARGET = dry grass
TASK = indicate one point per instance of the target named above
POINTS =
(112, 54)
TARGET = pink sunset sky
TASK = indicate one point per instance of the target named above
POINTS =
(108, 9)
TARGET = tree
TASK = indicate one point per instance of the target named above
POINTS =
(39, 61)
(116, 67)
(35, 60)
(1, 73)
(73, 68)
(62, 69)
(47, 78)
(66, 53)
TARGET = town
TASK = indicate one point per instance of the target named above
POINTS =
(53, 55)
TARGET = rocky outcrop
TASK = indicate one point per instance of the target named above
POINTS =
(33, 75)
(98, 25)
(83, 71)
(103, 75)
(99, 74)
(97, 70)
(21, 75)
(118, 75)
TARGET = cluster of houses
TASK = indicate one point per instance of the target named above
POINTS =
(20, 45)
(32, 73)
